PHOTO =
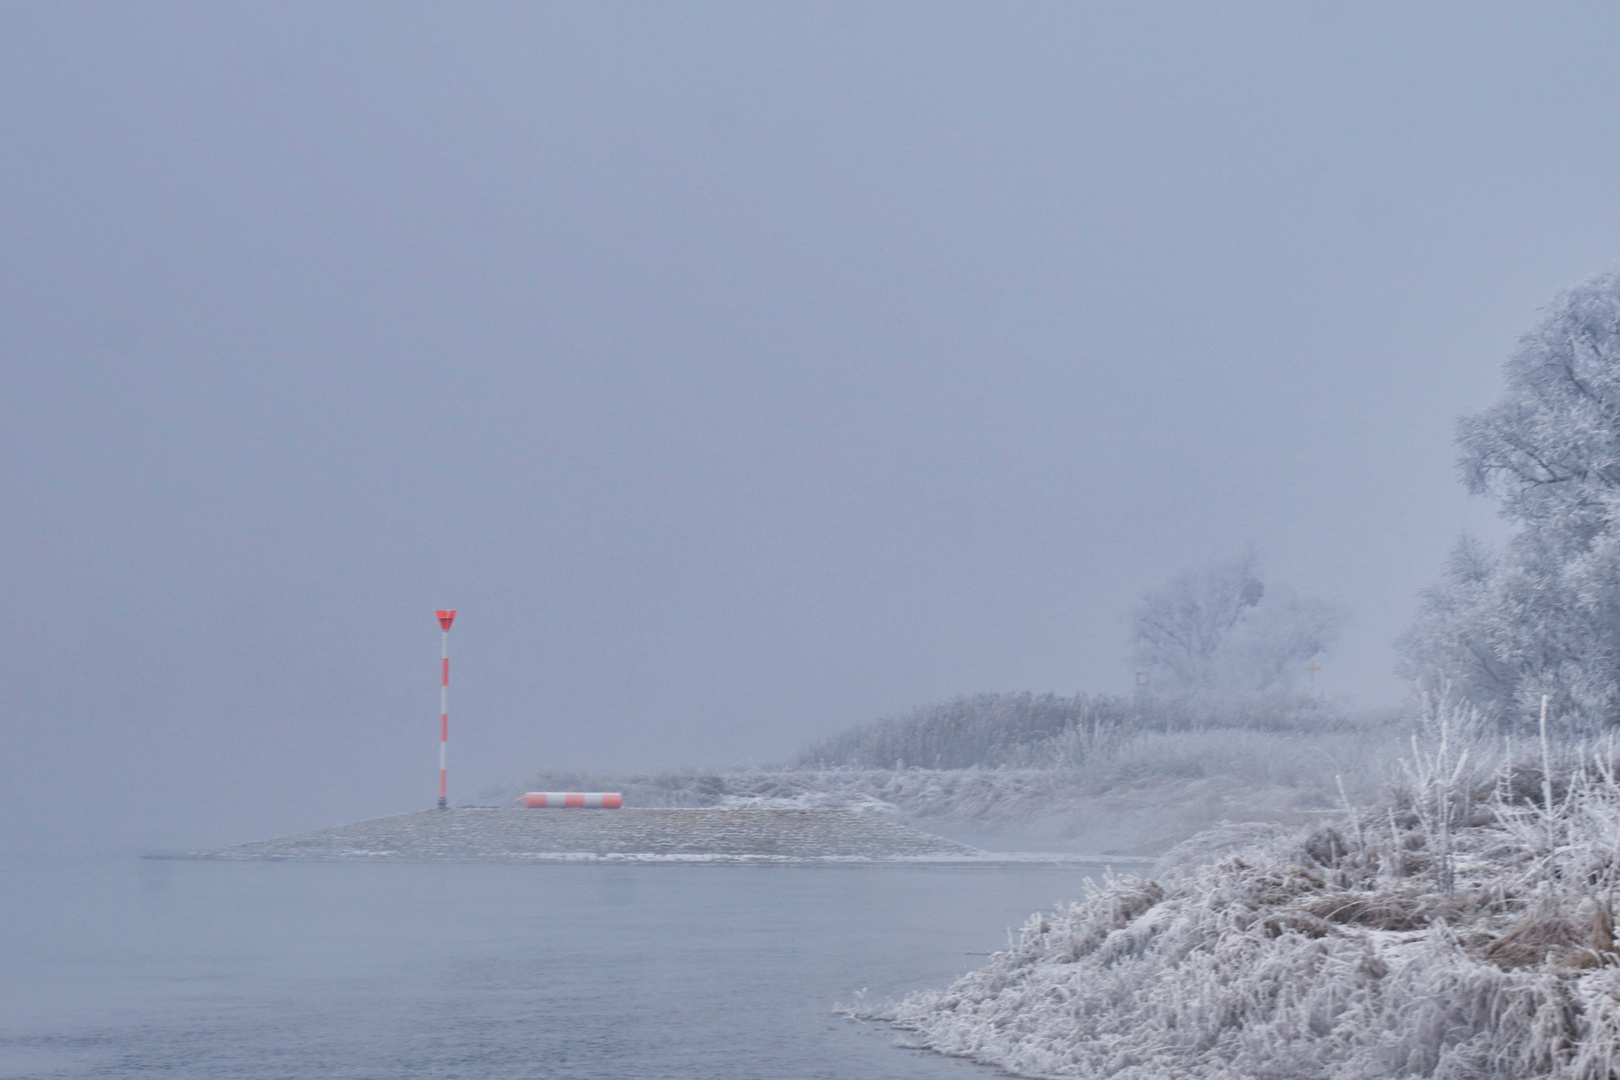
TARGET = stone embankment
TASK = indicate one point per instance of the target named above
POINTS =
(722, 834)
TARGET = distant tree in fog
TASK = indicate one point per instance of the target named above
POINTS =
(1219, 629)
(1543, 617)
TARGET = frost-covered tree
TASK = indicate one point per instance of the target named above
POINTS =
(1220, 629)
(1544, 616)
(1455, 639)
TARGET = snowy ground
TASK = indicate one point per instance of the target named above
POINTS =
(647, 834)
(1140, 795)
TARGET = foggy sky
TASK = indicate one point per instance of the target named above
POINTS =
(739, 372)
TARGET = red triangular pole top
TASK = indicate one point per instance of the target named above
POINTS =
(445, 619)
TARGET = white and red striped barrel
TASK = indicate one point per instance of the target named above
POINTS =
(587, 800)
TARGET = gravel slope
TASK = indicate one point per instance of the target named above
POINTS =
(661, 833)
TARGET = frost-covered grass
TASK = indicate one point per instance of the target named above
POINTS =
(1047, 731)
(1460, 928)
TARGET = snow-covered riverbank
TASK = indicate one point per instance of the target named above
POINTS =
(1460, 930)
(1135, 794)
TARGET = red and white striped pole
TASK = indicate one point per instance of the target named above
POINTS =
(445, 619)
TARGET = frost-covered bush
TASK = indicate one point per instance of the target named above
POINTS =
(1463, 929)
(1232, 974)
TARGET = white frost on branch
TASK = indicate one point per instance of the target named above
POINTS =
(1544, 616)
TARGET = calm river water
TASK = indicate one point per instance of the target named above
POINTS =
(131, 968)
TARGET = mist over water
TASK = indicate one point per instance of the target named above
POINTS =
(172, 969)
